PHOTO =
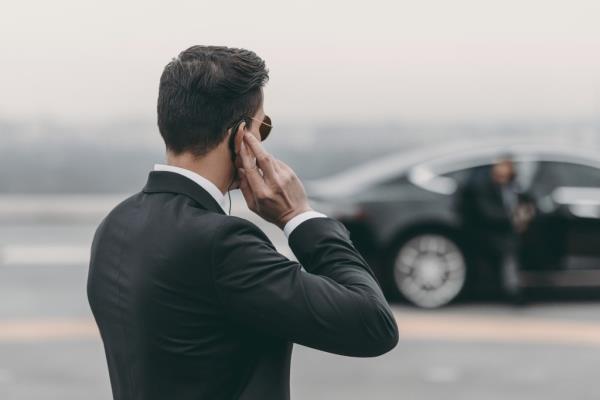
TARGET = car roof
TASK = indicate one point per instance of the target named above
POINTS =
(461, 153)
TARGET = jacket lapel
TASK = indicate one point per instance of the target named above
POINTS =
(171, 182)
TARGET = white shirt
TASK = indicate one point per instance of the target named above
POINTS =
(216, 193)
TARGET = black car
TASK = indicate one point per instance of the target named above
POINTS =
(401, 215)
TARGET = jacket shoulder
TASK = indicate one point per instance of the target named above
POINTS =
(227, 225)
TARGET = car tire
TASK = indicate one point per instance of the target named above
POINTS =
(429, 270)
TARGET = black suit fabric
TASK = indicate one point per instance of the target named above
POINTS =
(195, 304)
(480, 204)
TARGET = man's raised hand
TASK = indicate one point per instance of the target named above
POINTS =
(270, 187)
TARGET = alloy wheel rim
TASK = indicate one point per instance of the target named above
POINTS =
(429, 270)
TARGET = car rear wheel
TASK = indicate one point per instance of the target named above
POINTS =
(429, 270)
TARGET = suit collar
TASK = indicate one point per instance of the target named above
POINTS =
(206, 184)
(172, 182)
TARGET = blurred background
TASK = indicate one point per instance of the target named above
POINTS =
(458, 141)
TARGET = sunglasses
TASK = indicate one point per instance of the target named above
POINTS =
(265, 127)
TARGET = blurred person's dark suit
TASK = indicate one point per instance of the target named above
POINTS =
(192, 303)
(487, 210)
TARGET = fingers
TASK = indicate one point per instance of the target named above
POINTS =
(253, 176)
(263, 159)
(276, 166)
(286, 173)
(283, 166)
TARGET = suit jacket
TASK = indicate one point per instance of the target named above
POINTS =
(194, 304)
(481, 206)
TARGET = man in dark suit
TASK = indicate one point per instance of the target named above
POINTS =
(491, 206)
(192, 303)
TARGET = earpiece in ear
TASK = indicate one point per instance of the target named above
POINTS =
(232, 137)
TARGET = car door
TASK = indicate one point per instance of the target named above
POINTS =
(568, 198)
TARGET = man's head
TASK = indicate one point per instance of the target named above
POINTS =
(503, 171)
(203, 92)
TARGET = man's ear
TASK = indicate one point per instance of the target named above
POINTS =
(239, 137)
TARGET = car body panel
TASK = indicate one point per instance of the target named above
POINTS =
(403, 194)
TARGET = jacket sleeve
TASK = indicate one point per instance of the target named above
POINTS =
(335, 305)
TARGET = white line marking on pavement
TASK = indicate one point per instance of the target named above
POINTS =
(59, 255)
(44, 255)
(47, 329)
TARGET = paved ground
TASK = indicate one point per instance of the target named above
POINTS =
(49, 347)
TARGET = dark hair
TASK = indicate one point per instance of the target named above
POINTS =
(203, 92)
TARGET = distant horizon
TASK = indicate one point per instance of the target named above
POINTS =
(116, 157)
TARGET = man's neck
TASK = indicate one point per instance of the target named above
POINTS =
(209, 166)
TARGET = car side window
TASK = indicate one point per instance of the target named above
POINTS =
(557, 174)
(460, 176)
(525, 170)
(393, 182)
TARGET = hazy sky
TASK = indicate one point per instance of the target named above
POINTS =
(380, 60)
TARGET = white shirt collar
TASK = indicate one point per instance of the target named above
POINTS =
(207, 185)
